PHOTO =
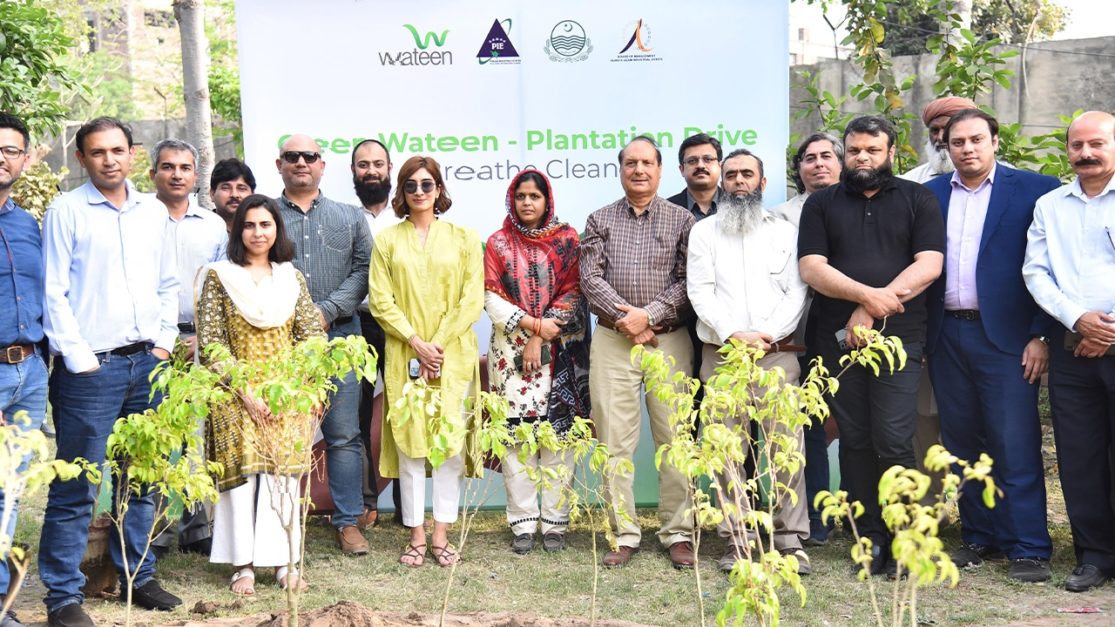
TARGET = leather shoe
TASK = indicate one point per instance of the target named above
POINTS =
(367, 520)
(969, 555)
(71, 615)
(681, 554)
(620, 556)
(351, 541)
(151, 596)
(1084, 578)
(553, 541)
(1029, 569)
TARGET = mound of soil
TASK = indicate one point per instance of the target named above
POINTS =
(348, 614)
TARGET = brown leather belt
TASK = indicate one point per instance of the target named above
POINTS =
(786, 345)
(16, 353)
(608, 324)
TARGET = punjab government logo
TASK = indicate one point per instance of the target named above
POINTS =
(497, 47)
(422, 53)
(638, 47)
(568, 43)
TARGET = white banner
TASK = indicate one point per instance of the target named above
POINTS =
(488, 91)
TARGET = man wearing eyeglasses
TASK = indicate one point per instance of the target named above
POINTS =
(332, 249)
(699, 162)
(111, 315)
(22, 370)
(1070, 270)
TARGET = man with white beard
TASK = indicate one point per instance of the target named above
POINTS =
(744, 285)
(936, 116)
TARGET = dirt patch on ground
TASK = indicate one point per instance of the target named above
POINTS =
(348, 614)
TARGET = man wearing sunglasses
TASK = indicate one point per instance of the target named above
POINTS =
(332, 249)
(699, 162)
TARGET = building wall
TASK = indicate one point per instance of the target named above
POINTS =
(1052, 78)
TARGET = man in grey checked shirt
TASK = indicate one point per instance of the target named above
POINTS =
(332, 249)
(633, 275)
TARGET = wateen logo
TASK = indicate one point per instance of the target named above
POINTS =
(419, 55)
(497, 47)
(568, 43)
(638, 47)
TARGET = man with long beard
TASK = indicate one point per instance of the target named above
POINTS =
(870, 246)
(936, 116)
(744, 285)
(371, 178)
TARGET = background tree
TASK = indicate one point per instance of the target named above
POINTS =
(195, 82)
(33, 41)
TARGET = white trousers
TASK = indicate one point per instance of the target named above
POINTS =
(248, 522)
(523, 511)
(446, 489)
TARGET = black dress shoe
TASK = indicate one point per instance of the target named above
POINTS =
(969, 555)
(203, 546)
(881, 562)
(151, 596)
(1084, 578)
(1029, 569)
(71, 615)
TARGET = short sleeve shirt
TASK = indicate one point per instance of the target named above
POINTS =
(871, 240)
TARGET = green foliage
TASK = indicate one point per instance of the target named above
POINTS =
(160, 451)
(224, 71)
(1019, 21)
(742, 394)
(37, 187)
(19, 443)
(919, 553)
(32, 42)
(140, 175)
(970, 67)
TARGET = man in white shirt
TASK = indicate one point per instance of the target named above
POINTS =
(817, 164)
(744, 285)
(1070, 270)
(111, 313)
(198, 237)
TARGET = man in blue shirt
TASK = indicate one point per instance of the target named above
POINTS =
(111, 314)
(22, 370)
(1070, 270)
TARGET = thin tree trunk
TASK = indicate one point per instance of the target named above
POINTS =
(195, 83)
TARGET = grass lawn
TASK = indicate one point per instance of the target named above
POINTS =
(648, 591)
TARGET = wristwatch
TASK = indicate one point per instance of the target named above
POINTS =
(1042, 339)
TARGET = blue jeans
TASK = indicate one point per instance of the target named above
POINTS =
(85, 408)
(22, 388)
(344, 453)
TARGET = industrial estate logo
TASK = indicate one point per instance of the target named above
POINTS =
(497, 48)
(638, 44)
(419, 55)
(568, 43)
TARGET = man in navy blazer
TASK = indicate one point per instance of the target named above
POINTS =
(987, 346)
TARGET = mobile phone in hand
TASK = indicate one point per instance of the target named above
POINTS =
(413, 368)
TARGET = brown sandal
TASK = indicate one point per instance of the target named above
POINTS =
(446, 555)
(417, 555)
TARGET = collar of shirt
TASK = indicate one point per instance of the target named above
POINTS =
(989, 181)
(691, 203)
(626, 204)
(93, 196)
(293, 205)
(1074, 189)
(9, 205)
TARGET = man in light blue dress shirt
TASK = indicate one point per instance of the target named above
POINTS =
(111, 313)
(197, 237)
(1070, 270)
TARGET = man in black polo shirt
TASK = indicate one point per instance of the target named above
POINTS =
(870, 246)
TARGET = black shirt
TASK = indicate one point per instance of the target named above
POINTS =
(871, 240)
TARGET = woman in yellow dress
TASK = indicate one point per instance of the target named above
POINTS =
(426, 289)
(257, 306)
